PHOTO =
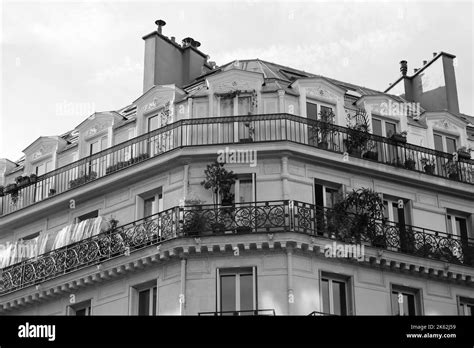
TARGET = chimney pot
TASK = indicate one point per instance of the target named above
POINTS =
(173, 39)
(403, 67)
(415, 70)
(196, 44)
(424, 62)
(160, 23)
(434, 54)
(187, 41)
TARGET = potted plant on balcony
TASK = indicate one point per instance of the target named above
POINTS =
(410, 163)
(83, 179)
(464, 152)
(452, 169)
(2, 189)
(12, 190)
(364, 207)
(399, 137)
(194, 218)
(428, 165)
(371, 154)
(357, 134)
(250, 130)
(22, 181)
(219, 180)
(325, 128)
(33, 178)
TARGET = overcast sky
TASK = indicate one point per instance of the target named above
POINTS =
(61, 61)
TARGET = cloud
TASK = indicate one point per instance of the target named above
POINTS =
(117, 72)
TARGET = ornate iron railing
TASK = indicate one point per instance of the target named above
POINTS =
(254, 312)
(247, 218)
(232, 130)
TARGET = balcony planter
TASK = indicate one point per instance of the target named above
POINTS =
(12, 190)
(452, 170)
(82, 180)
(371, 155)
(246, 140)
(243, 230)
(22, 181)
(429, 169)
(2, 189)
(410, 164)
(464, 154)
(33, 178)
(323, 145)
(52, 192)
(399, 137)
(218, 228)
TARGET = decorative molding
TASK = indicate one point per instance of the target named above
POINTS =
(320, 91)
(156, 103)
(97, 128)
(445, 124)
(230, 86)
(42, 151)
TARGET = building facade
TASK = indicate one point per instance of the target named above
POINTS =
(112, 217)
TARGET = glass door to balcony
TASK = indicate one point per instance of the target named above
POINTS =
(386, 153)
(43, 187)
(312, 114)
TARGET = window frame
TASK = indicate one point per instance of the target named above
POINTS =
(417, 294)
(237, 271)
(444, 138)
(464, 302)
(83, 305)
(349, 292)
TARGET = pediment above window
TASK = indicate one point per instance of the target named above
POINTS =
(445, 122)
(43, 147)
(157, 97)
(98, 124)
(320, 89)
(235, 80)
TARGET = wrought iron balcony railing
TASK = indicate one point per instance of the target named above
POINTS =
(247, 218)
(232, 130)
(320, 314)
(267, 312)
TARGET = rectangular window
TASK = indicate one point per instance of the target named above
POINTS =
(325, 113)
(405, 301)
(152, 202)
(466, 306)
(80, 309)
(243, 105)
(153, 123)
(312, 111)
(227, 106)
(237, 291)
(147, 301)
(91, 215)
(390, 128)
(243, 189)
(335, 294)
(444, 143)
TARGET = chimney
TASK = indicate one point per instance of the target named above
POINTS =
(404, 67)
(160, 23)
(173, 39)
(168, 63)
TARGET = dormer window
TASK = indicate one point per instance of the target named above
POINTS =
(444, 143)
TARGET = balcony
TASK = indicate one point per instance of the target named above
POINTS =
(233, 130)
(244, 219)
(252, 312)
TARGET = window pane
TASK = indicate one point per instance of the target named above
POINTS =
(154, 300)
(244, 105)
(450, 145)
(228, 293)
(152, 123)
(390, 128)
(450, 225)
(395, 304)
(395, 212)
(40, 170)
(144, 302)
(227, 106)
(245, 189)
(461, 227)
(246, 292)
(408, 304)
(331, 196)
(339, 297)
(81, 312)
(438, 142)
(148, 206)
(311, 111)
(325, 112)
(95, 147)
(325, 291)
(377, 126)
